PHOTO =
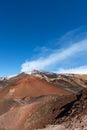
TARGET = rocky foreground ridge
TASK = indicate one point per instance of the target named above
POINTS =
(42, 100)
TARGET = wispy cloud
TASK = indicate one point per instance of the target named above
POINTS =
(58, 56)
(78, 70)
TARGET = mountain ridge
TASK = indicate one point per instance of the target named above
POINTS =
(37, 99)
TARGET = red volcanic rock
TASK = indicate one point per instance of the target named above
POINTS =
(7, 104)
(31, 87)
(37, 114)
(29, 102)
(13, 119)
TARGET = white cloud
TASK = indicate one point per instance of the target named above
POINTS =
(56, 57)
(78, 70)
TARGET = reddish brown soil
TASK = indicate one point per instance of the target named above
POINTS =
(29, 103)
(31, 87)
(34, 115)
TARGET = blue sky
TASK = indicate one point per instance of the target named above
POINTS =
(38, 34)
